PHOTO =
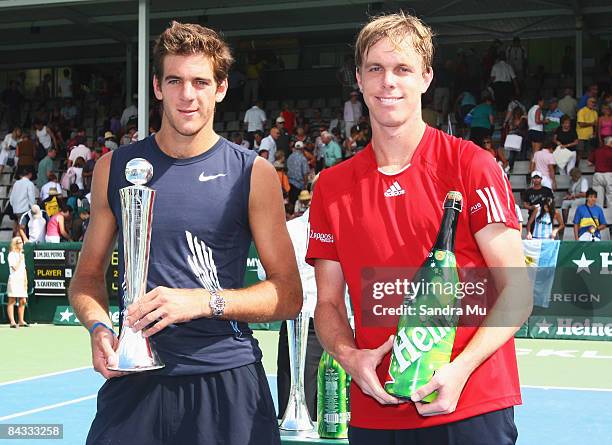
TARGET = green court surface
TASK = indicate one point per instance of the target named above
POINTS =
(43, 349)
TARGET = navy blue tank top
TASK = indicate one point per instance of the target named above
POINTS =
(200, 239)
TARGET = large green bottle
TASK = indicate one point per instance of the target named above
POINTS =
(333, 399)
(424, 341)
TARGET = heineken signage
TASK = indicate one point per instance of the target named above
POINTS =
(65, 316)
(570, 328)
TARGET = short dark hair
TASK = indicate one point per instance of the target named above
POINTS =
(591, 192)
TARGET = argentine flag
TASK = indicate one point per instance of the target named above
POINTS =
(541, 257)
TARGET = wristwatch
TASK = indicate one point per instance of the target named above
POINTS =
(216, 303)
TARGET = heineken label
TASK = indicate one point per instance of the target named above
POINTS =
(333, 399)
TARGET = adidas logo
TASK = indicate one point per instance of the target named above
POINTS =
(395, 190)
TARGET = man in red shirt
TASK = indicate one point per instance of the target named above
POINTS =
(383, 208)
(601, 158)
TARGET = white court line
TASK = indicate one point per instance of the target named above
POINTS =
(42, 376)
(48, 407)
(568, 388)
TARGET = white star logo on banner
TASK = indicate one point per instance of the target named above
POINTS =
(66, 315)
(543, 326)
(583, 264)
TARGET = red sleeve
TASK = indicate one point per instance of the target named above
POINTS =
(489, 194)
(321, 239)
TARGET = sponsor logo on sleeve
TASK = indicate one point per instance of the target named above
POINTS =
(322, 237)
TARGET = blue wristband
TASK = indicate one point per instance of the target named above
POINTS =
(98, 324)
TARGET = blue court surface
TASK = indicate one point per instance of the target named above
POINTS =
(548, 416)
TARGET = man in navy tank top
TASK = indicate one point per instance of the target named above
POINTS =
(213, 198)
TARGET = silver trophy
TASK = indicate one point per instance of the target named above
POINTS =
(136, 354)
(296, 417)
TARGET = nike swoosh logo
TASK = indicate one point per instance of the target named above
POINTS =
(204, 178)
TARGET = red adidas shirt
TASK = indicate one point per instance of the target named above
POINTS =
(362, 218)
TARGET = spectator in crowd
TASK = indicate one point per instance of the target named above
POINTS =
(337, 122)
(56, 227)
(541, 222)
(75, 173)
(565, 136)
(109, 141)
(239, 140)
(127, 138)
(8, 148)
(51, 183)
(17, 285)
(568, 104)
(516, 131)
(586, 127)
(302, 203)
(516, 56)
(255, 119)
(604, 125)
(482, 119)
(464, 103)
(69, 111)
(543, 161)
(33, 225)
(576, 194)
(89, 168)
(319, 151)
(257, 138)
(254, 68)
(536, 193)
(589, 219)
(497, 153)
(504, 82)
(65, 85)
(332, 153)
(353, 110)
(12, 100)
(46, 138)
(513, 105)
(601, 158)
(75, 196)
(22, 197)
(553, 115)
(592, 92)
(45, 167)
(79, 151)
(264, 153)
(282, 177)
(52, 203)
(289, 119)
(282, 142)
(80, 224)
(297, 171)
(130, 113)
(269, 143)
(535, 123)
(26, 150)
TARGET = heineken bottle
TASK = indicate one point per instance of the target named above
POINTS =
(426, 328)
(333, 399)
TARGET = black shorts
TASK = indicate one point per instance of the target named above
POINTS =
(535, 136)
(494, 428)
(232, 407)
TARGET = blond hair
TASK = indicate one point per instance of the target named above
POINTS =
(185, 39)
(396, 27)
(13, 244)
